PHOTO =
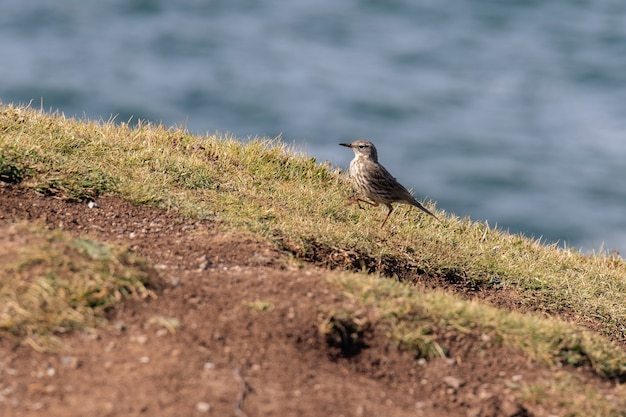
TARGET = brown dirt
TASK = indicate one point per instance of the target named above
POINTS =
(229, 358)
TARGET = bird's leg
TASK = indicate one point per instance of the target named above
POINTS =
(390, 207)
(358, 201)
(371, 203)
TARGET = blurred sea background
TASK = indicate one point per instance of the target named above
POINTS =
(507, 111)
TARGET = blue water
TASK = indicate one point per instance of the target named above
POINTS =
(508, 111)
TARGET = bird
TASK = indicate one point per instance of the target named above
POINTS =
(373, 182)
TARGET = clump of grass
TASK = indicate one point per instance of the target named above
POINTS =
(76, 186)
(259, 305)
(52, 283)
(12, 167)
(421, 321)
(416, 320)
(171, 324)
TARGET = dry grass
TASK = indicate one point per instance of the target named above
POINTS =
(53, 283)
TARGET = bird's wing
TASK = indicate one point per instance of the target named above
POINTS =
(396, 191)
(387, 185)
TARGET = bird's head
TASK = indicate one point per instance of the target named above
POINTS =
(363, 149)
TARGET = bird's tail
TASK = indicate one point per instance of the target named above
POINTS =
(424, 209)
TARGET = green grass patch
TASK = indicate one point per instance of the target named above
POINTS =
(259, 305)
(421, 322)
(416, 320)
(51, 283)
(12, 166)
(76, 186)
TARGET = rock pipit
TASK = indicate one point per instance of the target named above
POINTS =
(374, 182)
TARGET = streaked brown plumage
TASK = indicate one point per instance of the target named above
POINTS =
(374, 182)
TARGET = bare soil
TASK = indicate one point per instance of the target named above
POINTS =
(229, 357)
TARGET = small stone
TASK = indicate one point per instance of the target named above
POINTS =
(5, 392)
(509, 408)
(36, 406)
(474, 412)
(203, 263)
(70, 361)
(144, 359)
(50, 389)
(484, 393)
(203, 407)
(209, 365)
(108, 407)
(453, 382)
(119, 325)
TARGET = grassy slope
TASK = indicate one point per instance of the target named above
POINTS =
(264, 188)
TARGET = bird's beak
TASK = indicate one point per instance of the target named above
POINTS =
(347, 145)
